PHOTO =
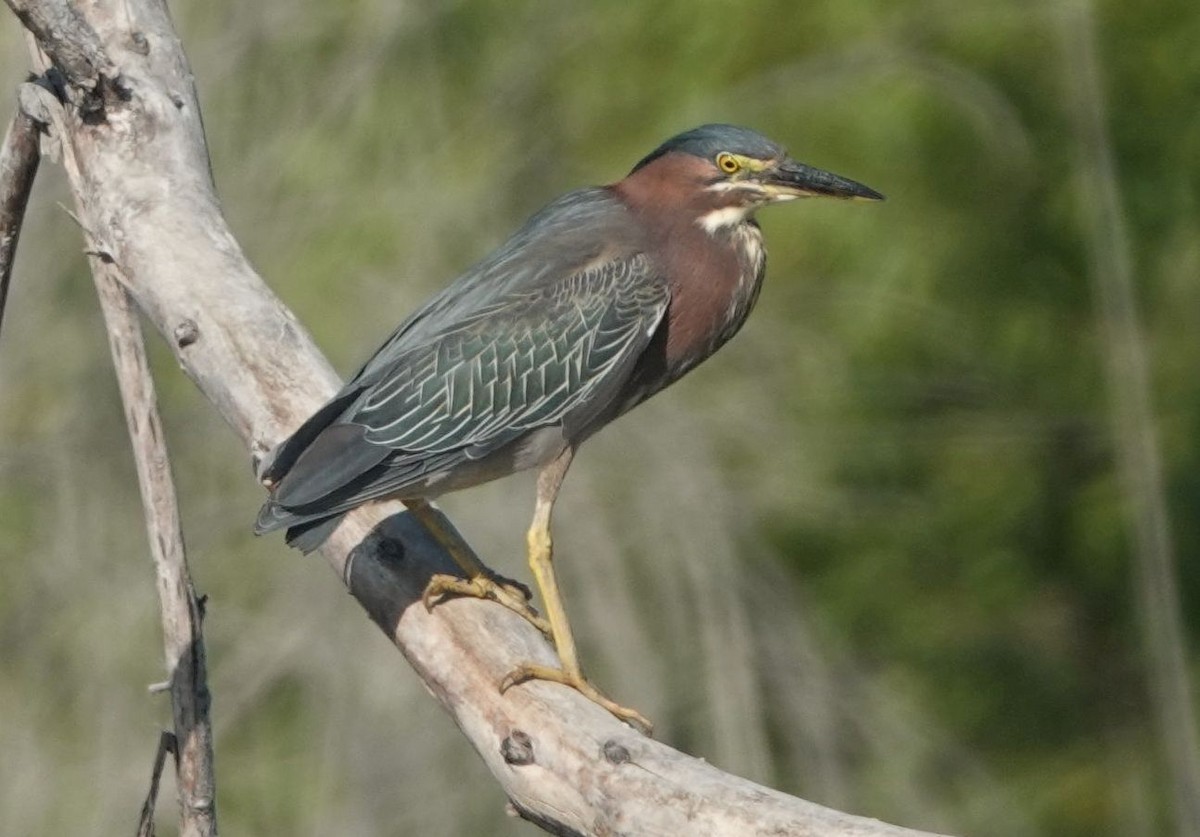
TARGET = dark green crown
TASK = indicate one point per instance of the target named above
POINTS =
(708, 141)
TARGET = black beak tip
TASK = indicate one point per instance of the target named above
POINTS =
(823, 183)
(866, 193)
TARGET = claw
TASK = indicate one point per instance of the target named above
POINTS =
(513, 596)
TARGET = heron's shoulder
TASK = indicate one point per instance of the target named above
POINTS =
(593, 210)
(572, 233)
(565, 236)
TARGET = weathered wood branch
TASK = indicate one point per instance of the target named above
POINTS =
(146, 197)
(65, 35)
(182, 613)
(166, 744)
(183, 638)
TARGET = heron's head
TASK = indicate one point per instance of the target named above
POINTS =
(727, 172)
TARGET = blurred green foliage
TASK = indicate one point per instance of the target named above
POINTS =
(894, 496)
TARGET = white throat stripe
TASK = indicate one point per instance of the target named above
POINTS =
(723, 218)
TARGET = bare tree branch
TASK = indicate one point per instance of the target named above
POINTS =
(166, 744)
(183, 640)
(181, 611)
(145, 194)
(18, 166)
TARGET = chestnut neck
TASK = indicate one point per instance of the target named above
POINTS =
(714, 277)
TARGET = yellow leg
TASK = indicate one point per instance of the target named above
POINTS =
(480, 582)
(541, 561)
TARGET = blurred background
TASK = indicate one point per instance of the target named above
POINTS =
(919, 544)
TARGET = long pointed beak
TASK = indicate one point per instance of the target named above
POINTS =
(791, 179)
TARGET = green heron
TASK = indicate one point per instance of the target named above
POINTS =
(600, 300)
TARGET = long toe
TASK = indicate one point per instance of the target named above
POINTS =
(530, 671)
(515, 588)
(511, 595)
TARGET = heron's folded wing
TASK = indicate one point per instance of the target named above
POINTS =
(526, 360)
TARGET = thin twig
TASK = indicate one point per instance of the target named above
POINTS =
(18, 165)
(166, 744)
(183, 639)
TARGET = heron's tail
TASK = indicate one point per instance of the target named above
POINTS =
(305, 533)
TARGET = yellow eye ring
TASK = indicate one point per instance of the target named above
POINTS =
(727, 163)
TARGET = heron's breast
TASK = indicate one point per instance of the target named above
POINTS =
(714, 286)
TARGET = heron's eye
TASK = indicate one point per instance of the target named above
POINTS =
(727, 163)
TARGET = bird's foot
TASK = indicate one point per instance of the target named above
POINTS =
(576, 680)
(511, 594)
